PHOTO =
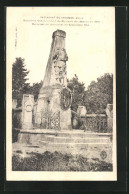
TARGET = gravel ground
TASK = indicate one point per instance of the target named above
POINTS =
(28, 157)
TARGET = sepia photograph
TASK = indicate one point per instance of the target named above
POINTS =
(60, 94)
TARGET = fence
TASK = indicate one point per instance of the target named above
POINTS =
(96, 123)
(100, 123)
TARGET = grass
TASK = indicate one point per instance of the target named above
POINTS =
(57, 162)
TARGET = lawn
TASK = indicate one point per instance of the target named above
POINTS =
(57, 161)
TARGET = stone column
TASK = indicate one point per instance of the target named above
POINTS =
(109, 112)
(14, 103)
(81, 111)
(27, 107)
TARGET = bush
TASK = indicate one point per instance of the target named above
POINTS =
(57, 162)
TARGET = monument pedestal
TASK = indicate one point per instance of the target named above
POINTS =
(50, 113)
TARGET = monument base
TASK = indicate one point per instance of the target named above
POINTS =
(72, 136)
(50, 112)
(74, 141)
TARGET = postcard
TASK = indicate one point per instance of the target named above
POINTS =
(60, 94)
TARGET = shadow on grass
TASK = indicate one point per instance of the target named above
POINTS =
(57, 162)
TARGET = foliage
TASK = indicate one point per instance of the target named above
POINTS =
(15, 133)
(57, 162)
(78, 91)
(19, 74)
(19, 85)
(16, 119)
(95, 98)
(35, 88)
(99, 94)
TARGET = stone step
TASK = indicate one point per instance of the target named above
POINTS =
(65, 133)
(75, 145)
(82, 135)
(57, 139)
(72, 136)
(88, 150)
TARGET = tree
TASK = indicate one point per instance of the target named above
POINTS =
(99, 94)
(78, 90)
(19, 85)
(35, 89)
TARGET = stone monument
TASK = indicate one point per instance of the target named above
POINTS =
(27, 108)
(14, 103)
(54, 100)
(81, 111)
(109, 112)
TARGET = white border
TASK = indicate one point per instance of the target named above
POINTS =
(51, 176)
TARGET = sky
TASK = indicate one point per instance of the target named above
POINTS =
(90, 48)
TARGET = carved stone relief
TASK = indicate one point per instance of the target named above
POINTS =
(65, 100)
(59, 60)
